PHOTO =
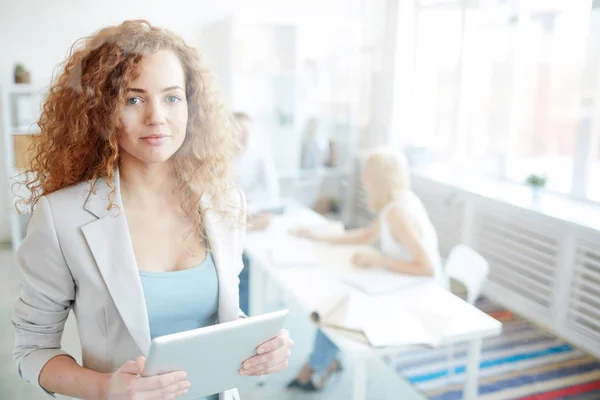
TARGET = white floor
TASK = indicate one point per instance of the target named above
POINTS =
(383, 382)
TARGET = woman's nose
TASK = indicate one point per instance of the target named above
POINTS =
(154, 114)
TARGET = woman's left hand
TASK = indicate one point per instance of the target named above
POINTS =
(366, 259)
(272, 356)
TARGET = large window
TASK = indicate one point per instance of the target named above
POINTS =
(594, 178)
(591, 79)
(550, 60)
(437, 68)
(503, 89)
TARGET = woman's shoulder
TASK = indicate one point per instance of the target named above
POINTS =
(237, 197)
(405, 208)
(71, 201)
(227, 208)
(77, 193)
(231, 200)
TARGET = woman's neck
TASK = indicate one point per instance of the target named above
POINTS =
(144, 183)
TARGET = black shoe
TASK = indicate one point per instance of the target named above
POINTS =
(306, 387)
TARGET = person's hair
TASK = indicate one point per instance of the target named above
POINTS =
(80, 121)
(241, 116)
(390, 177)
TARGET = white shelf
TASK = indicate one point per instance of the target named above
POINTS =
(21, 190)
(25, 89)
(10, 128)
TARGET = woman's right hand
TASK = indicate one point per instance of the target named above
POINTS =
(127, 384)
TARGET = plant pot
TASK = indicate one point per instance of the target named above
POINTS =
(536, 193)
(23, 77)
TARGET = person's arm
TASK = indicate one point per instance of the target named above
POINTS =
(258, 222)
(63, 375)
(366, 235)
(45, 300)
(406, 232)
(41, 310)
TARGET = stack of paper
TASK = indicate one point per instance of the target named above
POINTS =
(405, 326)
(331, 309)
(374, 281)
(386, 323)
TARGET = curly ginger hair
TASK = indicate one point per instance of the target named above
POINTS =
(80, 120)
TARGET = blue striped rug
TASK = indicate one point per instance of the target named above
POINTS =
(524, 362)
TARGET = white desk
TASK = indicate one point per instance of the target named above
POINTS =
(307, 283)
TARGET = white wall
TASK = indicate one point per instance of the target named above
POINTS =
(39, 33)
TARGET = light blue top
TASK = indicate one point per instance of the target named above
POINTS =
(182, 300)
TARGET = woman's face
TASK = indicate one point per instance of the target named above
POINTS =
(155, 115)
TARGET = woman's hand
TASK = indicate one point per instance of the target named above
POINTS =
(272, 356)
(365, 259)
(127, 384)
(259, 222)
(305, 233)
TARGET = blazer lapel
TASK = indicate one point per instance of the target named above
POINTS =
(110, 244)
(217, 232)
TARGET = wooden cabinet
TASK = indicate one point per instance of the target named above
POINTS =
(21, 144)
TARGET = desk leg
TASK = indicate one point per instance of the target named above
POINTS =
(257, 290)
(472, 374)
(359, 389)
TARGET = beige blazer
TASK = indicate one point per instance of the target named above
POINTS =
(78, 255)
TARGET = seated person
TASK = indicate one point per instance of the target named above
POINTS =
(407, 245)
(256, 176)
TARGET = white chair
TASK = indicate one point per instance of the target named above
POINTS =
(468, 267)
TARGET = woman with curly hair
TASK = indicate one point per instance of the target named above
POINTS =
(136, 225)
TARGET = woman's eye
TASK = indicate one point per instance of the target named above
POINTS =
(134, 100)
(173, 99)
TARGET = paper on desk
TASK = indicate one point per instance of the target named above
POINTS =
(293, 252)
(404, 326)
(331, 307)
(385, 322)
(375, 281)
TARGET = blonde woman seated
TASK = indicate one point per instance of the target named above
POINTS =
(407, 245)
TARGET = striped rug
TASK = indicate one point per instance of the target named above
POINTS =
(523, 363)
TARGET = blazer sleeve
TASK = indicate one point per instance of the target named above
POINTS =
(241, 242)
(46, 296)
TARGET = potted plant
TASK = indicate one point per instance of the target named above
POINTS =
(21, 74)
(537, 184)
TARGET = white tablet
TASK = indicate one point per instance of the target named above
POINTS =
(213, 356)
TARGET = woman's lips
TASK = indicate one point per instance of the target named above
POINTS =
(155, 140)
